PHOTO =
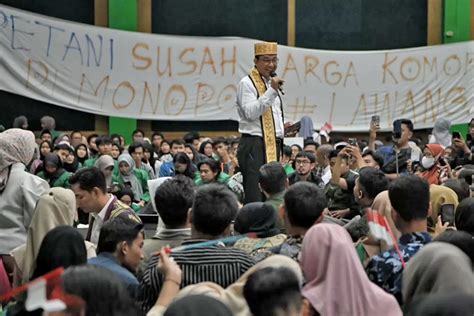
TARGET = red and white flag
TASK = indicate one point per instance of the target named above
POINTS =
(45, 292)
(379, 227)
(380, 230)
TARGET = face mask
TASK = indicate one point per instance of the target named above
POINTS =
(427, 163)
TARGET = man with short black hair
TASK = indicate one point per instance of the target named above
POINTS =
(273, 183)
(76, 138)
(203, 258)
(305, 164)
(410, 199)
(221, 148)
(90, 188)
(104, 147)
(120, 250)
(173, 201)
(395, 156)
(372, 159)
(310, 146)
(368, 185)
(167, 168)
(137, 151)
(303, 206)
(138, 136)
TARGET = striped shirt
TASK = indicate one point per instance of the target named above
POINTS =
(214, 263)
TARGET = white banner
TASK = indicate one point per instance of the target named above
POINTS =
(160, 77)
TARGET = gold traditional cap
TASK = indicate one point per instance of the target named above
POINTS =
(266, 48)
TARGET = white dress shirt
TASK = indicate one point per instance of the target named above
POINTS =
(250, 108)
(99, 221)
(327, 175)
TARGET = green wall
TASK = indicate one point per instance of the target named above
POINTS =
(123, 15)
(457, 28)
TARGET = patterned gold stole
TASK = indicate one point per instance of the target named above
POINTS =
(268, 124)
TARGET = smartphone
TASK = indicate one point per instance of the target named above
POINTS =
(447, 214)
(397, 129)
(352, 141)
(375, 120)
(456, 135)
(442, 162)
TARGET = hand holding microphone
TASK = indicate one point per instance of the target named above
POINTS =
(277, 82)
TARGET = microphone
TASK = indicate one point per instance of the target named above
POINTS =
(274, 74)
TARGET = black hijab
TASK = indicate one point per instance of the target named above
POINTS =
(257, 217)
(81, 160)
(198, 305)
(53, 159)
(63, 246)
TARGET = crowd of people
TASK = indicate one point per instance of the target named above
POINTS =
(308, 246)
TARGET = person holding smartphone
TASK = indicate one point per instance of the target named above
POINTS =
(395, 156)
(433, 167)
(465, 148)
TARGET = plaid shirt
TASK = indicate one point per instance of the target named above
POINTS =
(386, 269)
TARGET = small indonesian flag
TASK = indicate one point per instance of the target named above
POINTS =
(381, 231)
(45, 292)
(325, 130)
(379, 227)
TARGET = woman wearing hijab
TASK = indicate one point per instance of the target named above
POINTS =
(438, 268)
(54, 173)
(433, 166)
(446, 304)
(20, 122)
(260, 219)
(441, 134)
(45, 148)
(82, 153)
(135, 179)
(55, 208)
(71, 163)
(336, 283)
(439, 196)
(105, 164)
(19, 190)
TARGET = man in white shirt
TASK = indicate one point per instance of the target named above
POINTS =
(90, 189)
(258, 101)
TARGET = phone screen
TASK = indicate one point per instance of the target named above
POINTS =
(397, 129)
(447, 214)
(456, 135)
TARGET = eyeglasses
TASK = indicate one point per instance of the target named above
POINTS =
(270, 60)
(302, 162)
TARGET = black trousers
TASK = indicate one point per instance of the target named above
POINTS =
(251, 157)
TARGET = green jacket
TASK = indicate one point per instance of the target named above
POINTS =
(62, 181)
(288, 169)
(142, 177)
(222, 178)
